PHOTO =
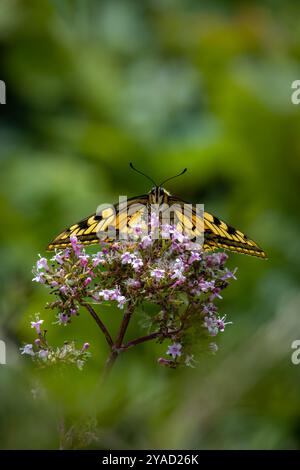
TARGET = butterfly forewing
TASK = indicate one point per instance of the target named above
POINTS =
(106, 225)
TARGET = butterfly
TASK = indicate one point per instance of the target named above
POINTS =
(114, 220)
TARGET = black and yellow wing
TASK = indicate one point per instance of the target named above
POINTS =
(217, 233)
(105, 225)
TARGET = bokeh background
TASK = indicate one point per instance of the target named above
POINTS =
(92, 85)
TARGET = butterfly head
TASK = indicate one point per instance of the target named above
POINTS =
(158, 195)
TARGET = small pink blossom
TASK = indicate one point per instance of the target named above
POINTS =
(229, 275)
(113, 294)
(98, 259)
(64, 289)
(154, 220)
(62, 319)
(39, 277)
(37, 325)
(58, 258)
(126, 258)
(87, 281)
(215, 293)
(42, 263)
(195, 256)
(158, 274)
(137, 263)
(146, 242)
(134, 283)
(27, 349)
(75, 245)
(174, 350)
(43, 354)
(206, 285)
(84, 259)
(121, 301)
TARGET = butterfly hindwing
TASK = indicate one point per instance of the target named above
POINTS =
(217, 233)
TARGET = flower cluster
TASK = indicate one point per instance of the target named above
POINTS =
(45, 355)
(179, 278)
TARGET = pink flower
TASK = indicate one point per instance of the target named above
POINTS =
(221, 323)
(215, 293)
(137, 263)
(158, 274)
(126, 258)
(166, 231)
(39, 277)
(27, 349)
(37, 325)
(75, 245)
(229, 275)
(87, 281)
(206, 285)
(105, 293)
(63, 319)
(211, 325)
(58, 258)
(113, 294)
(178, 271)
(43, 354)
(98, 259)
(195, 256)
(64, 289)
(42, 263)
(138, 229)
(154, 220)
(146, 242)
(180, 278)
(121, 301)
(216, 259)
(209, 308)
(134, 283)
(174, 350)
(84, 259)
(179, 236)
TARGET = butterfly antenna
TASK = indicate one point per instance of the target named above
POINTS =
(172, 177)
(141, 173)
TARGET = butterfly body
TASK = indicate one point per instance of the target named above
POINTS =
(216, 233)
(158, 195)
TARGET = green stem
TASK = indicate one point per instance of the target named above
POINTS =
(116, 348)
(99, 323)
(143, 339)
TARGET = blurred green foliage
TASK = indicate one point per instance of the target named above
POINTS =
(92, 85)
